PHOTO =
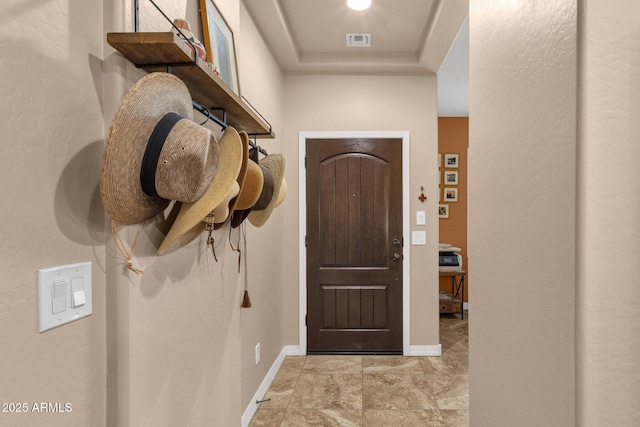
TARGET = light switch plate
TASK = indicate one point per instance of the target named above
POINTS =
(64, 294)
(418, 238)
(421, 218)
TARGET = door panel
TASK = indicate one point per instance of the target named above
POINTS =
(354, 212)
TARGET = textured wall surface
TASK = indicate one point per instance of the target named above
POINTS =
(608, 211)
(522, 212)
(357, 103)
(180, 347)
(50, 150)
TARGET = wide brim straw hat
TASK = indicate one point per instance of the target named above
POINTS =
(223, 216)
(276, 163)
(282, 194)
(181, 165)
(188, 223)
(251, 191)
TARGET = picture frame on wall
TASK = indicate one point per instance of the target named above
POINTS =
(450, 194)
(451, 160)
(450, 178)
(443, 211)
(219, 44)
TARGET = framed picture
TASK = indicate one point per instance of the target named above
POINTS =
(450, 194)
(450, 160)
(443, 211)
(218, 41)
(450, 178)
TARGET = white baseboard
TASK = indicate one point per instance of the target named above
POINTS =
(425, 350)
(287, 350)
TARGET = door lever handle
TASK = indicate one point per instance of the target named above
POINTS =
(394, 257)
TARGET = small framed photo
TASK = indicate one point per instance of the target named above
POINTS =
(443, 211)
(450, 194)
(450, 178)
(218, 42)
(450, 160)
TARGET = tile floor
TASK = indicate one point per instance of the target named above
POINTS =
(374, 390)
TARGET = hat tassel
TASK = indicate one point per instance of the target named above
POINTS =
(246, 301)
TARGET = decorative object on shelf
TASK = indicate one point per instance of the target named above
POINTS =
(443, 211)
(422, 197)
(450, 177)
(152, 141)
(450, 194)
(450, 160)
(189, 222)
(275, 164)
(186, 34)
(218, 41)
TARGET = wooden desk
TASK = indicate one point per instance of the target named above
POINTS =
(453, 302)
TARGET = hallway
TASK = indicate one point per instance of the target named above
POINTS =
(374, 390)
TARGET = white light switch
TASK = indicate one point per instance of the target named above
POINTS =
(77, 292)
(59, 296)
(420, 218)
(64, 294)
(418, 237)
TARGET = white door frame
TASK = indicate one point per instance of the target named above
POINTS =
(302, 220)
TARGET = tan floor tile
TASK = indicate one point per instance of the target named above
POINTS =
(391, 364)
(267, 418)
(398, 418)
(322, 417)
(447, 364)
(293, 363)
(450, 391)
(456, 417)
(333, 364)
(397, 391)
(327, 391)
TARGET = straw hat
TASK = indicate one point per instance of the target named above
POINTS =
(275, 164)
(282, 194)
(224, 211)
(191, 215)
(252, 190)
(154, 152)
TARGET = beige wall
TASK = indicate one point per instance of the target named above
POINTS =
(182, 347)
(554, 337)
(51, 148)
(608, 296)
(522, 179)
(378, 103)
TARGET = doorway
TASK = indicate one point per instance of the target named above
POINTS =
(354, 289)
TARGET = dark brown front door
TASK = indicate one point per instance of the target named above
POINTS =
(354, 245)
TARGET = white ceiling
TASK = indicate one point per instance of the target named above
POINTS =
(407, 36)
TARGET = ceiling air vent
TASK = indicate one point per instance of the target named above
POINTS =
(358, 40)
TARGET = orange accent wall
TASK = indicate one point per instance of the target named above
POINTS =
(453, 138)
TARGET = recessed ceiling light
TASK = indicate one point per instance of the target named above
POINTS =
(358, 4)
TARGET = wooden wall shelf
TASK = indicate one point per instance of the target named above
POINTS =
(157, 51)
